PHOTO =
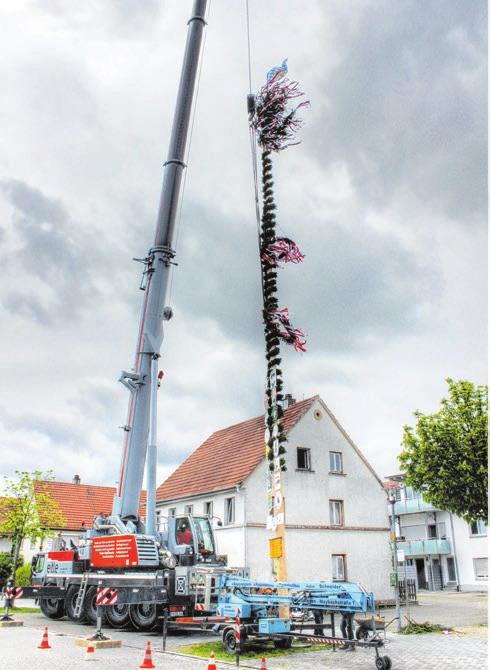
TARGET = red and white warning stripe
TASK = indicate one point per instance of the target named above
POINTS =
(237, 632)
(106, 596)
(200, 607)
(324, 640)
(18, 592)
(9, 591)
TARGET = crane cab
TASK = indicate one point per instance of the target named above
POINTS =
(191, 539)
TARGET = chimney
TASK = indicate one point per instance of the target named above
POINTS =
(76, 479)
(288, 401)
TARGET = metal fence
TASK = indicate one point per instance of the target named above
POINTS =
(407, 590)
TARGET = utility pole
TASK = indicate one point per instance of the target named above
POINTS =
(394, 549)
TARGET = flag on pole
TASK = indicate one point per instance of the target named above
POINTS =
(279, 71)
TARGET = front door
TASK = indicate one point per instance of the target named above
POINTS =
(421, 580)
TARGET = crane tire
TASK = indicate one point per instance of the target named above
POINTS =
(90, 608)
(118, 616)
(387, 661)
(144, 616)
(52, 608)
(70, 602)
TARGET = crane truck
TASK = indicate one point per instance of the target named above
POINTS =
(140, 567)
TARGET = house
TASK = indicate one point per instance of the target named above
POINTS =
(441, 550)
(79, 505)
(336, 515)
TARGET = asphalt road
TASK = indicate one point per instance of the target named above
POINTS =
(454, 651)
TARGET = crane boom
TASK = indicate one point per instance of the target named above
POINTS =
(157, 271)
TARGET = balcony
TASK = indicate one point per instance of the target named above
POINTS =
(412, 506)
(425, 547)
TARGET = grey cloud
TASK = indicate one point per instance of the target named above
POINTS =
(405, 106)
(53, 251)
(356, 286)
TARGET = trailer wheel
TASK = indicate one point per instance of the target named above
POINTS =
(383, 663)
(70, 602)
(283, 643)
(229, 640)
(117, 615)
(52, 608)
(144, 616)
(90, 608)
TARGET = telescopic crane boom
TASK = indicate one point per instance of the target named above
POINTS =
(143, 377)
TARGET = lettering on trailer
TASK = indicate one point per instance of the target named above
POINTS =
(106, 596)
(115, 551)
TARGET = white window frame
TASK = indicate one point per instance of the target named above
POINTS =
(339, 568)
(481, 528)
(188, 509)
(172, 511)
(307, 453)
(229, 511)
(208, 508)
(336, 458)
(336, 512)
(483, 576)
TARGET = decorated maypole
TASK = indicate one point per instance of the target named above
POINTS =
(274, 121)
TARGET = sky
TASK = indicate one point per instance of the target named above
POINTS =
(385, 195)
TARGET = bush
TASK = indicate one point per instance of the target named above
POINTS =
(5, 567)
(23, 575)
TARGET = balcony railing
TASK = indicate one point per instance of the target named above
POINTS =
(413, 505)
(424, 547)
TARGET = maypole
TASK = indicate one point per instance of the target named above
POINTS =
(274, 123)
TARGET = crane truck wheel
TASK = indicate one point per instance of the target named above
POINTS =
(90, 608)
(117, 615)
(70, 602)
(52, 608)
(144, 616)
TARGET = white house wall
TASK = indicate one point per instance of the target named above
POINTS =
(365, 536)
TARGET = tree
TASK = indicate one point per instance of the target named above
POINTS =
(28, 511)
(445, 456)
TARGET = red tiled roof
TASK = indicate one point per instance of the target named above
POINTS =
(392, 485)
(80, 503)
(226, 458)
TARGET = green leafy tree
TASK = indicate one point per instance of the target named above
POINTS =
(28, 511)
(445, 455)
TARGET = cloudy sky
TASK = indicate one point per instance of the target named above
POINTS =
(386, 196)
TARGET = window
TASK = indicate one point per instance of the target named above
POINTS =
(481, 568)
(336, 512)
(410, 494)
(158, 520)
(398, 494)
(336, 461)
(189, 509)
(478, 527)
(208, 508)
(338, 567)
(229, 511)
(304, 460)
(172, 511)
(432, 531)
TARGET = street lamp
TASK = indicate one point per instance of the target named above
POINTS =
(394, 557)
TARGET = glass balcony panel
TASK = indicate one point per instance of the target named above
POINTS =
(425, 547)
(413, 505)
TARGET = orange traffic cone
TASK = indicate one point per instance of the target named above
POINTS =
(263, 665)
(147, 662)
(45, 642)
(212, 662)
(90, 652)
